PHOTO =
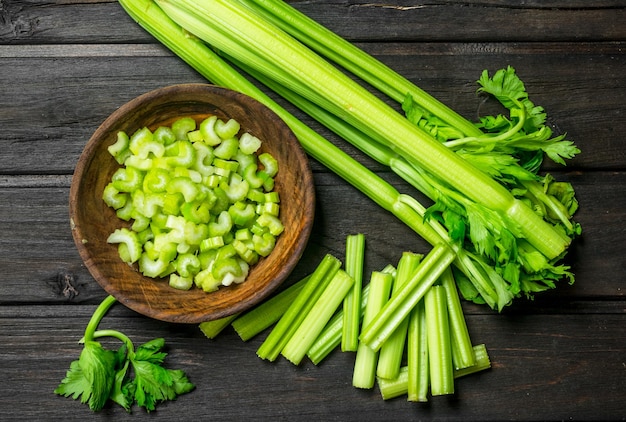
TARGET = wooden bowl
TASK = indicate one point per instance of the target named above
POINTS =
(92, 221)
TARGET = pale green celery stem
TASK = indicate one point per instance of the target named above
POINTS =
(97, 316)
(317, 317)
(392, 350)
(355, 60)
(418, 376)
(215, 69)
(355, 257)
(364, 373)
(267, 313)
(439, 348)
(297, 311)
(211, 329)
(400, 305)
(330, 338)
(130, 348)
(372, 148)
(355, 104)
(390, 389)
(461, 344)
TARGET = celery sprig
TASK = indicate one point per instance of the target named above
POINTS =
(126, 376)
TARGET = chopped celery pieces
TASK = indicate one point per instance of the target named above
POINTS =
(199, 200)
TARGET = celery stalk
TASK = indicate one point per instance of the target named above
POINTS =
(317, 317)
(392, 350)
(399, 306)
(212, 328)
(439, 349)
(364, 374)
(267, 313)
(330, 338)
(462, 350)
(418, 381)
(297, 311)
(390, 389)
(355, 255)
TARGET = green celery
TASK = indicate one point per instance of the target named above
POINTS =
(390, 389)
(364, 373)
(182, 127)
(113, 197)
(392, 350)
(462, 349)
(127, 376)
(262, 316)
(128, 242)
(487, 282)
(355, 255)
(261, 45)
(418, 374)
(399, 306)
(317, 317)
(330, 338)
(439, 348)
(379, 75)
(299, 308)
(119, 150)
(212, 328)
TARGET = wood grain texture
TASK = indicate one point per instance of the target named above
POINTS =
(66, 64)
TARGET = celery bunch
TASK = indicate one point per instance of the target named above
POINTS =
(506, 245)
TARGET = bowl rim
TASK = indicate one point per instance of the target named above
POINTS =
(141, 306)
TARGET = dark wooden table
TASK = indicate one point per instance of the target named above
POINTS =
(66, 65)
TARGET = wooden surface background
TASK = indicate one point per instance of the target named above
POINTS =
(65, 65)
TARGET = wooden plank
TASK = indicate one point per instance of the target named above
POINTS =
(554, 367)
(38, 257)
(69, 97)
(75, 21)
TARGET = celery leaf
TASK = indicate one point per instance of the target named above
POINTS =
(90, 377)
(152, 382)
